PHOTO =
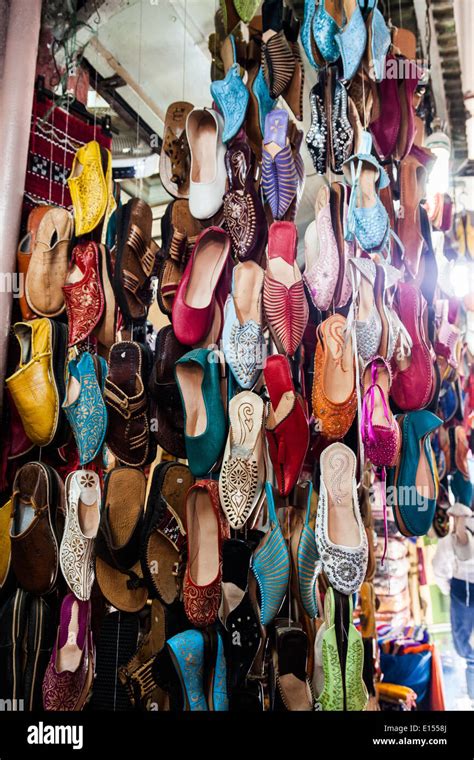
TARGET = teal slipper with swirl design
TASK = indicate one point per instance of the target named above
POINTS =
(271, 565)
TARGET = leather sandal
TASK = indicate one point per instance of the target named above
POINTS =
(135, 259)
(127, 403)
(175, 157)
(179, 232)
(164, 534)
(117, 566)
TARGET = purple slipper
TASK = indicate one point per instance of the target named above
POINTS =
(279, 175)
(70, 672)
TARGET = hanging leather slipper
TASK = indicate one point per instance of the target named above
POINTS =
(23, 255)
(175, 159)
(48, 263)
(118, 569)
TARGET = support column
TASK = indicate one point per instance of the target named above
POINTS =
(16, 97)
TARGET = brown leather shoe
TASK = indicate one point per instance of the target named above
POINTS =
(23, 256)
(127, 403)
(37, 526)
(166, 409)
(48, 265)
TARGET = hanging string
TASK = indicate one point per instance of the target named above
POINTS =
(95, 76)
(400, 13)
(63, 187)
(50, 191)
(428, 33)
(184, 43)
(139, 182)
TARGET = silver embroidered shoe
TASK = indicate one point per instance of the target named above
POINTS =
(242, 476)
(365, 315)
(242, 337)
(341, 539)
(76, 554)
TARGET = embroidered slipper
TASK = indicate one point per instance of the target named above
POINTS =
(163, 536)
(334, 385)
(351, 39)
(76, 553)
(230, 94)
(83, 292)
(135, 259)
(317, 135)
(340, 132)
(321, 254)
(243, 341)
(69, 675)
(244, 215)
(206, 529)
(84, 404)
(367, 219)
(327, 21)
(340, 534)
(242, 474)
(90, 184)
(117, 563)
(380, 432)
(175, 159)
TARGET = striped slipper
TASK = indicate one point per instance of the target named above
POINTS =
(284, 300)
(278, 63)
(279, 174)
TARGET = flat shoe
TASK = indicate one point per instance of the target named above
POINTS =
(242, 474)
(340, 535)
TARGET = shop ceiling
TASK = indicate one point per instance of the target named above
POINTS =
(157, 52)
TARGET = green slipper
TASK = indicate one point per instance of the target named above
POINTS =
(332, 695)
(356, 691)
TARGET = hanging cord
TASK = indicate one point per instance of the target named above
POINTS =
(51, 156)
(428, 33)
(63, 183)
(139, 182)
(185, 32)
